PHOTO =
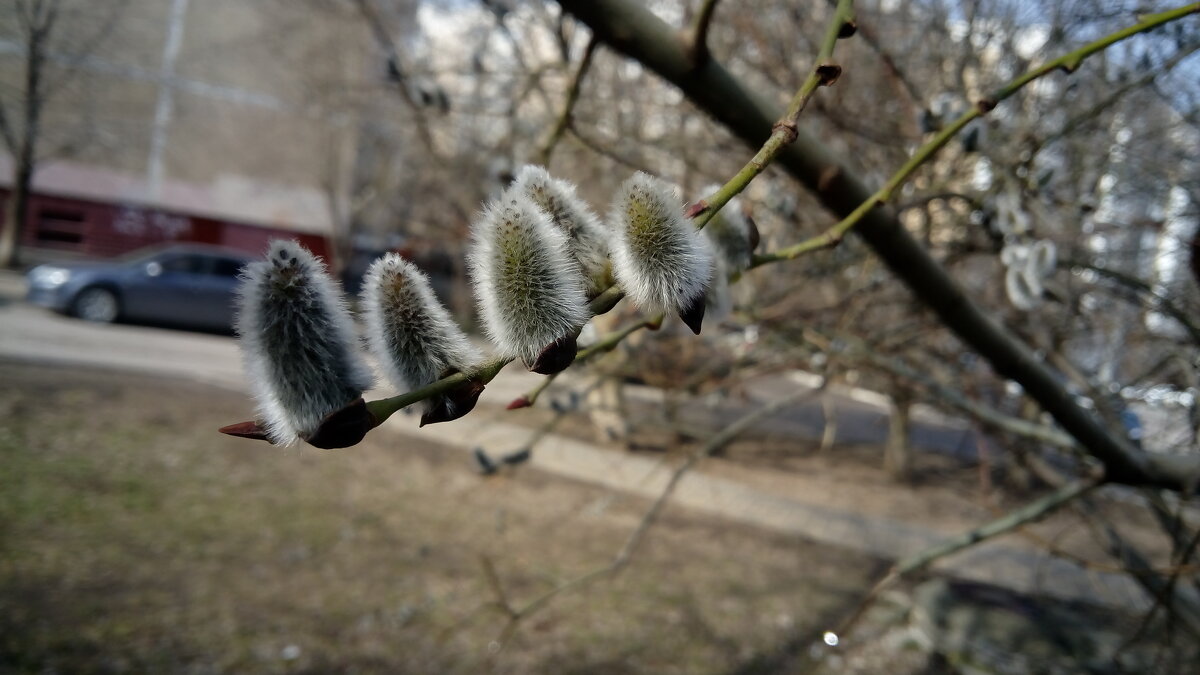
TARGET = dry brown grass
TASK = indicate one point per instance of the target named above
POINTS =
(135, 538)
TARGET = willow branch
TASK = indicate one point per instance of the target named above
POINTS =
(385, 408)
(605, 344)
(563, 122)
(1068, 62)
(1096, 110)
(697, 39)
(610, 341)
(824, 73)
(1031, 512)
(631, 29)
(384, 39)
(984, 414)
(1158, 302)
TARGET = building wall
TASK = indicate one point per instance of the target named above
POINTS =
(230, 111)
(98, 229)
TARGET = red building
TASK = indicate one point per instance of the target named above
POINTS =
(78, 211)
(72, 226)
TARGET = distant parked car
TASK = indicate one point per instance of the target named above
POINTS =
(188, 285)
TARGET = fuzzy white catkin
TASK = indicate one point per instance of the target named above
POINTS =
(1011, 219)
(587, 236)
(1042, 258)
(298, 342)
(661, 261)
(1028, 266)
(529, 290)
(409, 332)
(1024, 292)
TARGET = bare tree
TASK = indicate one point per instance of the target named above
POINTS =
(49, 32)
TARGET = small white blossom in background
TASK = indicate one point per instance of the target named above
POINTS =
(661, 261)
(297, 341)
(1028, 265)
(1011, 219)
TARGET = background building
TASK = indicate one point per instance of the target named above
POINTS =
(217, 121)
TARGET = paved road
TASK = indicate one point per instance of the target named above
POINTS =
(34, 335)
(31, 335)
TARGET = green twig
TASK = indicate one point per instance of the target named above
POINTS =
(1068, 62)
(824, 73)
(385, 408)
(609, 342)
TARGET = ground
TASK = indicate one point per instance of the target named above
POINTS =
(135, 538)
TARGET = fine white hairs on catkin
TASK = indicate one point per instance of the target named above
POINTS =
(661, 261)
(409, 332)
(297, 341)
(587, 236)
(530, 291)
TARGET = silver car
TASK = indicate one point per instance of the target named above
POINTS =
(189, 285)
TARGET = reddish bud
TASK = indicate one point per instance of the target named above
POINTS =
(518, 403)
(250, 430)
(556, 357)
(828, 73)
(693, 314)
(344, 427)
(454, 403)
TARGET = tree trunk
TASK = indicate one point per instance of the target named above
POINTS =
(897, 454)
(606, 407)
(15, 210)
(24, 154)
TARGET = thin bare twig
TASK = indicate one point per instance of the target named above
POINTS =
(563, 122)
(384, 39)
(635, 538)
(697, 36)
(1031, 512)
(1068, 62)
(824, 73)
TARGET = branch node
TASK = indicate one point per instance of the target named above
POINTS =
(828, 73)
(788, 129)
(848, 28)
(696, 209)
(986, 105)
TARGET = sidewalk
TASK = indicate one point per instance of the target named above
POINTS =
(1007, 561)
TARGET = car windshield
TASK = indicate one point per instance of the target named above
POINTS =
(141, 256)
(149, 253)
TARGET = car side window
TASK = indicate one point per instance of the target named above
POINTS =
(183, 264)
(227, 267)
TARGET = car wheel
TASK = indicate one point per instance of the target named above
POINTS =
(96, 304)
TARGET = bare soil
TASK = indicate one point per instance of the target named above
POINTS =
(134, 538)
